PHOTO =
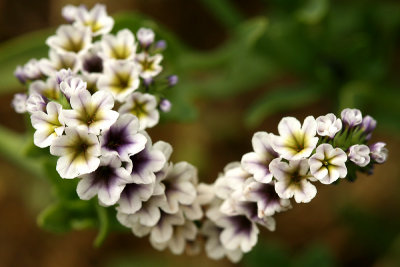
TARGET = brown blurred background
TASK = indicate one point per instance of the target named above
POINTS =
(217, 138)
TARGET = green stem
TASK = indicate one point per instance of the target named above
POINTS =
(12, 149)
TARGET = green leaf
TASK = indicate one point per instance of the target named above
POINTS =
(282, 99)
(313, 11)
(66, 216)
(17, 52)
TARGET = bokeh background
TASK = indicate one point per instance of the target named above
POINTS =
(242, 66)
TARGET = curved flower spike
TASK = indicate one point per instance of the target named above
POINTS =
(48, 125)
(107, 181)
(295, 141)
(257, 162)
(91, 112)
(328, 164)
(293, 180)
(79, 152)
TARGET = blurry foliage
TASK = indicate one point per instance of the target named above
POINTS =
(344, 51)
(273, 254)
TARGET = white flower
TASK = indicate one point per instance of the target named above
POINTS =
(148, 215)
(180, 236)
(268, 201)
(328, 164)
(91, 112)
(48, 125)
(91, 81)
(231, 180)
(119, 47)
(293, 180)
(70, 39)
(134, 194)
(91, 62)
(120, 78)
(295, 141)
(205, 193)
(351, 117)
(214, 248)
(69, 12)
(143, 106)
(149, 66)
(48, 89)
(36, 102)
(63, 75)
(145, 36)
(78, 151)
(359, 154)
(379, 152)
(257, 162)
(122, 138)
(30, 71)
(328, 125)
(72, 85)
(107, 181)
(19, 102)
(146, 163)
(58, 61)
(179, 186)
(96, 19)
(164, 229)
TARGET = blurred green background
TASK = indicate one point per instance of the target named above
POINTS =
(242, 66)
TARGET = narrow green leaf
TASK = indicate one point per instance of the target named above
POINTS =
(282, 99)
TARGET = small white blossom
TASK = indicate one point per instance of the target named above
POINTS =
(149, 66)
(122, 138)
(48, 125)
(351, 117)
(91, 112)
(257, 162)
(134, 195)
(91, 62)
(70, 39)
(359, 154)
(293, 180)
(96, 19)
(107, 181)
(179, 186)
(57, 61)
(78, 150)
(72, 85)
(379, 152)
(48, 89)
(163, 231)
(296, 141)
(143, 106)
(328, 164)
(19, 102)
(214, 248)
(231, 180)
(119, 78)
(30, 71)
(69, 12)
(36, 102)
(145, 36)
(180, 236)
(119, 47)
(328, 125)
(145, 164)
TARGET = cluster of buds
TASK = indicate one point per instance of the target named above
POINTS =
(282, 167)
(91, 102)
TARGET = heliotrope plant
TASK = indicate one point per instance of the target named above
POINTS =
(91, 102)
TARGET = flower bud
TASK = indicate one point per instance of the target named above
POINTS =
(351, 117)
(172, 80)
(19, 103)
(359, 154)
(20, 75)
(328, 125)
(368, 126)
(165, 105)
(161, 45)
(379, 152)
(35, 103)
(145, 37)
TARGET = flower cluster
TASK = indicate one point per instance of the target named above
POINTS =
(284, 167)
(91, 101)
